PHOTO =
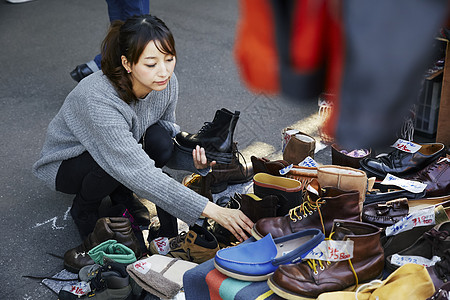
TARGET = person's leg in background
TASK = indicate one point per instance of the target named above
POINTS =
(158, 144)
(117, 10)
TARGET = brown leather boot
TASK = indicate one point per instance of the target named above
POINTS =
(344, 178)
(311, 278)
(116, 228)
(264, 165)
(319, 208)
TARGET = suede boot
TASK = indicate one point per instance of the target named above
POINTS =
(288, 191)
(300, 146)
(344, 178)
(118, 229)
(311, 278)
(319, 209)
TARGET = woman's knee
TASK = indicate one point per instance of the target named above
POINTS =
(158, 144)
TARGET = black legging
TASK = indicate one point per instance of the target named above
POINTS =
(83, 177)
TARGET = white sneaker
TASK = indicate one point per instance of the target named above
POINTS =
(18, 1)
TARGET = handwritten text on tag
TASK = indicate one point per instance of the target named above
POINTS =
(406, 146)
(423, 217)
(409, 185)
(308, 162)
(400, 260)
(142, 266)
(331, 250)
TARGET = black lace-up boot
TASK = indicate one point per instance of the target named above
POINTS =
(216, 137)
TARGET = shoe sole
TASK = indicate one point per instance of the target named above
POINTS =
(241, 276)
(255, 234)
(425, 202)
(288, 295)
(219, 157)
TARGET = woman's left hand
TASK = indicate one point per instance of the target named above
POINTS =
(200, 160)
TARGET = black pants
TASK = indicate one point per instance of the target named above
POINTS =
(83, 177)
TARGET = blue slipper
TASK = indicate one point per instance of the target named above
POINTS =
(258, 260)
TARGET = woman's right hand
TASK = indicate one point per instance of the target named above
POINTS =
(232, 219)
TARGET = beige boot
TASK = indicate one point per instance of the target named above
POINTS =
(344, 178)
(299, 147)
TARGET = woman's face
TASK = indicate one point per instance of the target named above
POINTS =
(151, 72)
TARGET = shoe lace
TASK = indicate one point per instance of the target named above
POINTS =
(178, 240)
(316, 264)
(237, 154)
(206, 126)
(308, 207)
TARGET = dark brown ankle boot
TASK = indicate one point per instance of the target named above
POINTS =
(257, 208)
(319, 209)
(311, 278)
(118, 229)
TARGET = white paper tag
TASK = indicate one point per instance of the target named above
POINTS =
(400, 260)
(331, 250)
(142, 266)
(286, 170)
(409, 185)
(80, 288)
(423, 217)
(406, 146)
(161, 245)
(308, 162)
(286, 137)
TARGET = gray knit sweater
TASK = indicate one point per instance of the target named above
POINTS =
(93, 118)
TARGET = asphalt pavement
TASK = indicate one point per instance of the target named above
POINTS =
(40, 43)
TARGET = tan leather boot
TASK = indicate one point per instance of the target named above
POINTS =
(116, 228)
(344, 178)
(311, 278)
(319, 209)
(299, 147)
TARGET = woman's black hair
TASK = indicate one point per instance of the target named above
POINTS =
(130, 38)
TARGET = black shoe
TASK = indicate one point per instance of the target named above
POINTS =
(216, 137)
(80, 72)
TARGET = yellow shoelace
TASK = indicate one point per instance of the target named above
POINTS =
(314, 263)
(307, 208)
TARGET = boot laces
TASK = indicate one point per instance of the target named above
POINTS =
(238, 154)
(178, 240)
(206, 126)
(306, 209)
(317, 265)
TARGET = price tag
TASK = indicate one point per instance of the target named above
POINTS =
(286, 137)
(286, 170)
(423, 217)
(308, 162)
(409, 185)
(400, 260)
(406, 146)
(142, 266)
(161, 245)
(330, 250)
(80, 288)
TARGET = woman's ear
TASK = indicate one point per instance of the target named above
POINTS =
(126, 64)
